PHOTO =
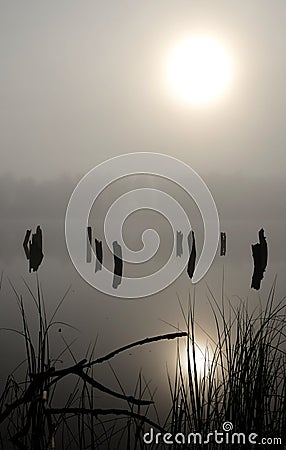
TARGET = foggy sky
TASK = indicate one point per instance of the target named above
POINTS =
(81, 83)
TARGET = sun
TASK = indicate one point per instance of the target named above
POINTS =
(199, 70)
(199, 358)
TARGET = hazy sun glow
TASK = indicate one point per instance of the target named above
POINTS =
(199, 69)
(201, 359)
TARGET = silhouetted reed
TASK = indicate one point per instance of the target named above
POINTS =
(243, 376)
(242, 380)
(27, 411)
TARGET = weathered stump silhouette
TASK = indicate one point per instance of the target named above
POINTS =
(222, 243)
(118, 264)
(89, 245)
(34, 249)
(260, 257)
(99, 255)
(193, 253)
